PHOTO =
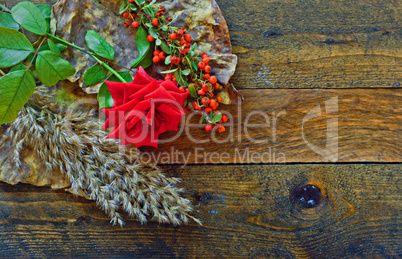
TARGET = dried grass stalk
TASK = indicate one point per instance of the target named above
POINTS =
(97, 168)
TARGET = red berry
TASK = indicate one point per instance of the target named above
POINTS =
(150, 38)
(126, 24)
(196, 106)
(224, 118)
(173, 36)
(213, 80)
(201, 65)
(162, 55)
(208, 128)
(181, 88)
(201, 92)
(176, 60)
(219, 99)
(208, 109)
(168, 77)
(205, 100)
(156, 52)
(207, 69)
(125, 15)
(183, 42)
(155, 22)
(135, 24)
(187, 37)
(130, 1)
(156, 59)
(221, 129)
(205, 59)
(217, 86)
(206, 76)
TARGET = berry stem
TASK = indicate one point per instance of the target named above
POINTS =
(91, 54)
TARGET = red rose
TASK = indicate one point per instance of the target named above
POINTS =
(143, 109)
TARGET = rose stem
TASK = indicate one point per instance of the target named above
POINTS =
(91, 54)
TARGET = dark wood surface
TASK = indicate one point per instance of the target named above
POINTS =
(248, 209)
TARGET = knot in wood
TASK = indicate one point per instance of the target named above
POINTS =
(308, 196)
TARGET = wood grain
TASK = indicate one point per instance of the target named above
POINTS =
(315, 44)
(295, 126)
(246, 211)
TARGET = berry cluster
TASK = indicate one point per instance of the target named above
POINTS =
(191, 73)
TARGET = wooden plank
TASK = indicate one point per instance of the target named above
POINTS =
(294, 126)
(246, 210)
(315, 44)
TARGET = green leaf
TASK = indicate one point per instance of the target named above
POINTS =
(59, 46)
(140, 2)
(165, 27)
(46, 10)
(186, 72)
(30, 18)
(53, 47)
(15, 90)
(165, 47)
(217, 117)
(190, 53)
(14, 47)
(123, 7)
(143, 47)
(104, 97)
(147, 61)
(99, 45)
(201, 120)
(132, 7)
(169, 71)
(179, 78)
(7, 21)
(94, 74)
(192, 91)
(158, 42)
(194, 47)
(51, 68)
(18, 68)
(167, 60)
(149, 25)
(194, 65)
(153, 33)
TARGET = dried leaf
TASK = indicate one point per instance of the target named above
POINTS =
(202, 19)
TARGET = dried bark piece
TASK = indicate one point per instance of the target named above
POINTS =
(74, 18)
(202, 19)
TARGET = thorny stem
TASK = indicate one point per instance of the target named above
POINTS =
(91, 54)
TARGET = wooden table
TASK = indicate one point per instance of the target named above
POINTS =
(329, 74)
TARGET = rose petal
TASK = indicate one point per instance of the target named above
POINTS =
(130, 89)
(146, 90)
(141, 77)
(116, 89)
(151, 115)
(159, 96)
(170, 86)
(141, 135)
